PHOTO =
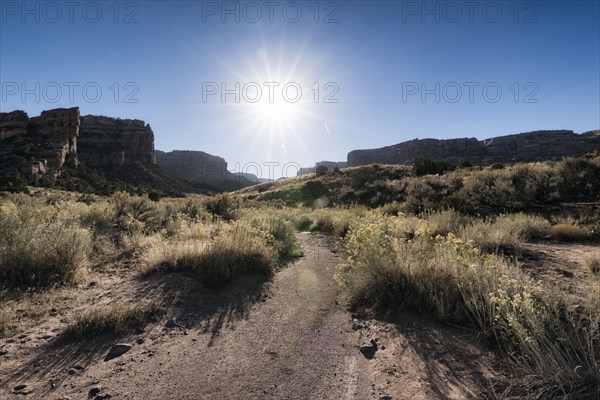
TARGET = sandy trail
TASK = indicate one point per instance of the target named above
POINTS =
(289, 339)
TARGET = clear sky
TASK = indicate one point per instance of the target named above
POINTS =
(304, 81)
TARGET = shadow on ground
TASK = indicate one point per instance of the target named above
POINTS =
(181, 297)
(456, 362)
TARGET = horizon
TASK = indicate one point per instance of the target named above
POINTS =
(358, 75)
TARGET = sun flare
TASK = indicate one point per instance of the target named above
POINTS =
(276, 111)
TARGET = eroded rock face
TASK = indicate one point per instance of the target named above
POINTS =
(196, 166)
(530, 146)
(41, 144)
(200, 167)
(113, 142)
(13, 124)
(45, 144)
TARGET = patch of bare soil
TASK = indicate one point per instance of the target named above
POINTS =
(289, 338)
(560, 264)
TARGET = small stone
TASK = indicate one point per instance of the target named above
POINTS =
(94, 391)
(20, 387)
(139, 330)
(172, 323)
(118, 350)
(356, 324)
(368, 349)
(385, 397)
(140, 341)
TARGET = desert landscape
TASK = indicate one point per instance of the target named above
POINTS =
(299, 200)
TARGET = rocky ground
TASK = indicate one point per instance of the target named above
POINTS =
(291, 338)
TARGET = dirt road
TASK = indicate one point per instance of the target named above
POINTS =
(289, 339)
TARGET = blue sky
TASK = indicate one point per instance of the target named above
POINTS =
(357, 74)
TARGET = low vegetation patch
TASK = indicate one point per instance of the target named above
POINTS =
(593, 263)
(533, 325)
(37, 247)
(568, 232)
(114, 318)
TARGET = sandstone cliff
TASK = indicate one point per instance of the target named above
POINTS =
(529, 146)
(41, 144)
(113, 142)
(57, 137)
(200, 167)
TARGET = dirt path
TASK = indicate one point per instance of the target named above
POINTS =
(560, 264)
(290, 339)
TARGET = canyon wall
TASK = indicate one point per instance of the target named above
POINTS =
(113, 142)
(44, 144)
(523, 147)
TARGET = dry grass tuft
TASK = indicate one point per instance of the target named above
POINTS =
(114, 318)
(568, 233)
(592, 262)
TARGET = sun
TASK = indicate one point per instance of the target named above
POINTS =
(277, 96)
(279, 112)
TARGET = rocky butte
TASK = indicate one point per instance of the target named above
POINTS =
(60, 137)
(523, 147)
(113, 142)
(200, 167)
(39, 145)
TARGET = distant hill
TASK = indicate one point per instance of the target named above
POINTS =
(200, 167)
(522, 147)
(251, 177)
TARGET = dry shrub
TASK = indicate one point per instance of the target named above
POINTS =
(37, 249)
(592, 262)
(115, 318)
(236, 248)
(506, 232)
(544, 338)
(568, 232)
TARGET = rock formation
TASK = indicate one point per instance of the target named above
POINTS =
(200, 167)
(113, 142)
(117, 154)
(46, 143)
(41, 144)
(530, 146)
(13, 124)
